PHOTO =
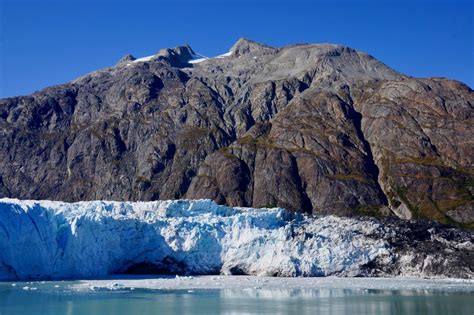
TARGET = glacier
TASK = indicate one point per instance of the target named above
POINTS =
(92, 239)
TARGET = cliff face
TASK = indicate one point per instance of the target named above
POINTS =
(318, 128)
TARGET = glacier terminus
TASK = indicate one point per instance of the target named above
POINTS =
(92, 239)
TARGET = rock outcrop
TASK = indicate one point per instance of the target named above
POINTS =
(316, 128)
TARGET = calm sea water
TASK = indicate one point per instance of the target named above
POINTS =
(59, 298)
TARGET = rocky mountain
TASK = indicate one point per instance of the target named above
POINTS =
(317, 128)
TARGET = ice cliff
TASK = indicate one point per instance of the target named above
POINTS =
(49, 239)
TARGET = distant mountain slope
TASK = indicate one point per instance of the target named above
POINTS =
(319, 128)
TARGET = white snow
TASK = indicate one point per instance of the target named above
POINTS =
(200, 58)
(197, 58)
(48, 239)
(227, 54)
(147, 58)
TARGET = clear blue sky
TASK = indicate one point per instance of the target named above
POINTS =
(47, 42)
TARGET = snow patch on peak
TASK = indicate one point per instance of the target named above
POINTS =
(200, 58)
(227, 54)
(143, 59)
(197, 58)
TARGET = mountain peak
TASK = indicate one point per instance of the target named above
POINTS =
(126, 59)
(245, 46)
(256, 126)
(184, 51)
(177, 56)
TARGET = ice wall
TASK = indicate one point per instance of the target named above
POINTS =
(46, 239)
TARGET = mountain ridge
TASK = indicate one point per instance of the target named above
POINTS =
(321, 128)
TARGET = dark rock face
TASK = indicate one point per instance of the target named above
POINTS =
(424, 248)
(316, 128)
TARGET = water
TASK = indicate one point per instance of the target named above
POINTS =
(63, 298)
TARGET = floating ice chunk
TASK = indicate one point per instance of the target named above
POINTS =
(115, 286)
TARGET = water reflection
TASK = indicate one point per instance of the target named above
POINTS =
(360, 301)
(49, 299)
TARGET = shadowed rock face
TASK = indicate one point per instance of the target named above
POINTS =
(316, 128)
